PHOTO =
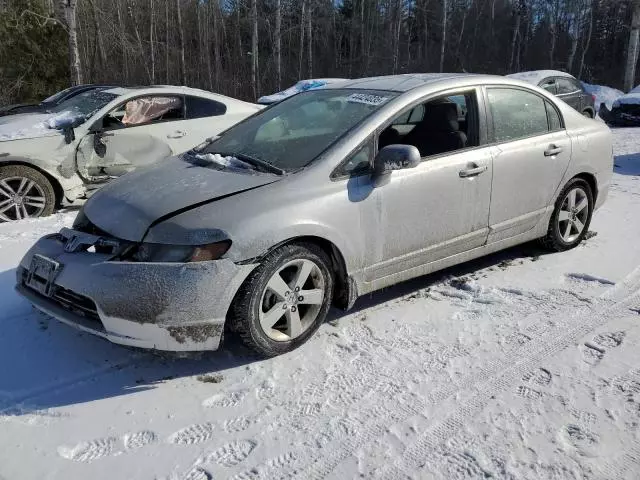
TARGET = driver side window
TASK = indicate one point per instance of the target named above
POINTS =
(148, 110)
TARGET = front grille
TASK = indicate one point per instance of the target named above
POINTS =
(630, 109)
(76, 303)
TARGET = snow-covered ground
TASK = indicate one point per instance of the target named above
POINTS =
(521, 365)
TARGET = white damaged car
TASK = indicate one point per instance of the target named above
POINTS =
(57, 157)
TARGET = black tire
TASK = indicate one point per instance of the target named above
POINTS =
(553, 239)
(587, 113)
(245, 310)
(12, 171)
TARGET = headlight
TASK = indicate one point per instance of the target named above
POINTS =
(156, 252)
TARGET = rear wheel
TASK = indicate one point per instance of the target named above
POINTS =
(571, 217)
(587, 113)
(284, 300)
(24, 193)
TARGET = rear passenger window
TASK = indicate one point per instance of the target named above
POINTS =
(516, 114)
(567, 85)
(553, 117)
(202, 107)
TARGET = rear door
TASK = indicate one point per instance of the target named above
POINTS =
(531, 153)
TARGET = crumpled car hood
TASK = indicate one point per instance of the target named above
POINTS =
(26, 125)
(127, 207)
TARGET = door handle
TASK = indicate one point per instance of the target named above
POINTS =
(177, 134)
(552, 150)
(472, 172)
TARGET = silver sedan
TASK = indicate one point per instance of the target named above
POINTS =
(326, 196)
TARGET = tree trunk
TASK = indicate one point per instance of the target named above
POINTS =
(137, 32)
(153, 57)
(216, 46)
(425, 20)
(183, 67)
(301, 52)
(254, 48)
(514, 40)
(123, 36)
(278, 45)
(587, 42)
(166, 39)
(552, 48)
(68, 11)
(309, 44)
(444, 33)
(632, 50)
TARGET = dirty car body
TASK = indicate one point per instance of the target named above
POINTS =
(161, 257)
(625, 111)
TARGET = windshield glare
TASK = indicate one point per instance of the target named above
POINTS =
(84, 104)
(292, 133)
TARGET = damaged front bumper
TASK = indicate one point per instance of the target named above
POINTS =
(162, 306)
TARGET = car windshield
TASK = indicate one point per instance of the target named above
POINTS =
(57, 96)
(292, 133)
(84, 104)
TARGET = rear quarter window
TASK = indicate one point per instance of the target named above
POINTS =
(204, 107)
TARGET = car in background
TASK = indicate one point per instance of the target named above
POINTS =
(562, 85)
(301, 86)
(625, 110)
(50, 102)
(55, 158)
(380, 180)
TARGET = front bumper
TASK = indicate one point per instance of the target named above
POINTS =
(162, 306)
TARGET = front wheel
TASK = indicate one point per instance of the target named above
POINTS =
(284, 300)
(571, 217)
(24, 193)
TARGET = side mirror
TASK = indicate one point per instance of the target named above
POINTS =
(395, 157)
(69, 134)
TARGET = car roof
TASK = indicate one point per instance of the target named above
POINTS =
(410, 81)
(536, 76)
(175, 89)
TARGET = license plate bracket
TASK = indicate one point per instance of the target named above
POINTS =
(42, 272)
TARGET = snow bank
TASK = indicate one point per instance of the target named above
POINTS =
(536, 76)
(301, 86)
(606, 95)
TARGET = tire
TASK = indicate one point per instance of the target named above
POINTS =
(587, 113)
(257, 300)
(561, 222)
(18, 184)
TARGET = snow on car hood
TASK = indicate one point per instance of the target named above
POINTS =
(631, 98)
(127, 207)
(603, 94)
(33, 125)
(301, 86)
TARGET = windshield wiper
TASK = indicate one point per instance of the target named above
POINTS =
(256, 162)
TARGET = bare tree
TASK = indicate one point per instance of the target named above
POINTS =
(587, 40)
(309, 44)
(254, 48)
(445, 7)
(68, 10)
(277, 45)
(183, 66)
(153, 58)
(632, 49)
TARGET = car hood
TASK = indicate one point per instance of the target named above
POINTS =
(26, 125)
(129, 206)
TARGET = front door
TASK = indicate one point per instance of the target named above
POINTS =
(531, 154)
(439, 208)
(126, 139)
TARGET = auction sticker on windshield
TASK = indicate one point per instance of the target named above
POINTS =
(367, 98)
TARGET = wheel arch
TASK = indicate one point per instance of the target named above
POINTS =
(591, 180)
(57, 187)
(345, 289)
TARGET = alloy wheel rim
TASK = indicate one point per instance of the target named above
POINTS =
(20, 198)
(292, 300)
(573, 214)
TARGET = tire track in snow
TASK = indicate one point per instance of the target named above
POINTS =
(539, 349)
(495, 376)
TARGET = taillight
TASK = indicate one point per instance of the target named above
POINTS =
(594, 98)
